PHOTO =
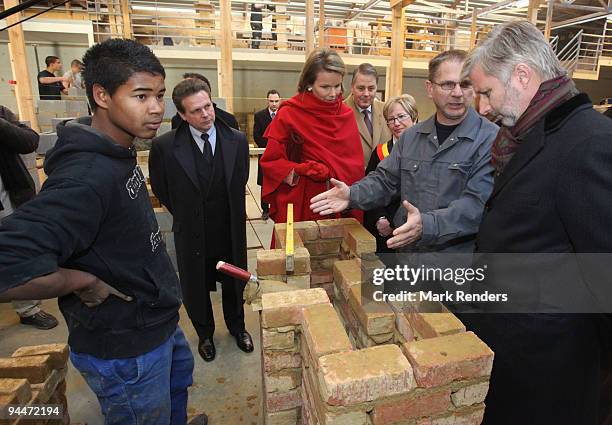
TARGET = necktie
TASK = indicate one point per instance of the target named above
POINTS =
(207, 151)
(273, 114)
(368, 123)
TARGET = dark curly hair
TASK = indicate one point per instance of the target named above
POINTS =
(112, 62)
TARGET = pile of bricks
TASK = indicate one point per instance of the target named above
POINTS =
(357, 361)
(35, 375)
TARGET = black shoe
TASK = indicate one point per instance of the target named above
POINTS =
(265, 215)
(244, 341)
(207, 349)
(40, 320)
(201, 419)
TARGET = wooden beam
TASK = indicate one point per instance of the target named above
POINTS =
(309, 27)
(581, 8)
(396, 69)
(580, 19)
(532, 11)
(126, 18)
(364, 8)
(473, 28)
(19, 66)
(549, 16)
(226, 76)
(321, 23)
(403, 3)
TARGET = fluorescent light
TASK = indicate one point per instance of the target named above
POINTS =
(521, 3)
(164, 9)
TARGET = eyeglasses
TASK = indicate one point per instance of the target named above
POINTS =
(450, 85)
(399, 119)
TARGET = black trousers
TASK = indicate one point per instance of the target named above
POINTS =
(201, 311)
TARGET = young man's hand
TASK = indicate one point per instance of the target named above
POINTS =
(96, 291)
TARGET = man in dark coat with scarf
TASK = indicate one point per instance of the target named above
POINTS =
(551, 204)
(199, 172)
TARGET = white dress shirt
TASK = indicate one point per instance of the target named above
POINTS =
(212, 138)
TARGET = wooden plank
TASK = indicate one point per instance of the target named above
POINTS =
(473, 28)
(396, 69)
(549, 15)
(126, 18)
(321, 23)
(309, 27)
(226, 76)
(19, 66)
(403, 3)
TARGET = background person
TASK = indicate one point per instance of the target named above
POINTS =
(313, 138)
(262, 120)
(400, 114)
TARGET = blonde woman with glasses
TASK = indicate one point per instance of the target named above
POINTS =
(400, 114)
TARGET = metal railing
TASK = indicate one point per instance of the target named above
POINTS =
(570, 53)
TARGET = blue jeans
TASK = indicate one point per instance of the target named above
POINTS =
(150, 389)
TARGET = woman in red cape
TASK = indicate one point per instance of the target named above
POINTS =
(313, 138)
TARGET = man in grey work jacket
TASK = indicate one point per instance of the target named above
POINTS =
(440, 167)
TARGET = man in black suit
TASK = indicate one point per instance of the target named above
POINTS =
(220, 115)
(263, 119)
(552, 206)
(199, 172)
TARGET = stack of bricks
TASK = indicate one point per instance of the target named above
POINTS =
(35, 376)
(359, 361)
(313, 375)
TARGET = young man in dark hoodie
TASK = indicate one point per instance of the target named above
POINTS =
(90, 238)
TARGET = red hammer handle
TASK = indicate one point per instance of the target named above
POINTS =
(233, 271)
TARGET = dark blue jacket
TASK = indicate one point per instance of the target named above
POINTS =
(94, 214)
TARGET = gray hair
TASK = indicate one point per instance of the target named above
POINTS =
(510, 44)
(364, 69)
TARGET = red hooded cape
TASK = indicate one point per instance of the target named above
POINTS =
(327, 133)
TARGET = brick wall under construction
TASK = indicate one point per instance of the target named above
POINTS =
(330, 357)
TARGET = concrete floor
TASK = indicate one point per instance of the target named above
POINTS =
(227, 389)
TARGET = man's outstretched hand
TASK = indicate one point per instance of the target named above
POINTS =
(409, 232)
(335, 200)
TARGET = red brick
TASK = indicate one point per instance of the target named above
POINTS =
(431, 325)
(334, 228)
(287, 417)
(283, 381)
(359, 240)
(323, 276)
(308, 230)
(358, 376)
(280, 236)
(271, 262)
(375, 317)
(19, 388)
(58, 353)
(33, 368)
(276, 402)
(472, 416)
(413, 406)
(323, 246)
(347, 274)
(470, 395)
(328, 287)
(323, 331)
(285, 308)
(278, 360)
(438, 361)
